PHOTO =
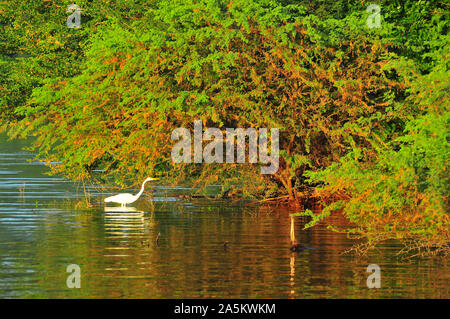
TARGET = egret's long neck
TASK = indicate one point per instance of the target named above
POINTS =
(141, 191)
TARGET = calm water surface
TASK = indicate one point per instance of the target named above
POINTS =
(41, 233)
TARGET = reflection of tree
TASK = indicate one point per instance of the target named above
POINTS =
(191, 260)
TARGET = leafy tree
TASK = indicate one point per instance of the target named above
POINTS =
(362, 112)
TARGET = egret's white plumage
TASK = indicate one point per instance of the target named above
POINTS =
(124, 199)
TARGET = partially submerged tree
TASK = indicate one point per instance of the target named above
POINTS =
(353, 104)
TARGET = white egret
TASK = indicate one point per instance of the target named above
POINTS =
(124, 199)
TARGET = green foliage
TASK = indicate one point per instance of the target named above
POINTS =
(37, 47)
(403, 190)
(240, 64)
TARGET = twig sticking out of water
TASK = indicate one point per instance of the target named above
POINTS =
(22, 190)
(157, 239)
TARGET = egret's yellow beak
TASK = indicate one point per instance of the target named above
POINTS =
(155, 179)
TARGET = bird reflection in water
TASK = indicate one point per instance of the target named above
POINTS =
(124, 222)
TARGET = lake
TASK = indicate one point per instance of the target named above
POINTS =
(206, 248)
